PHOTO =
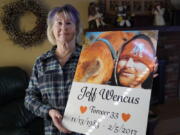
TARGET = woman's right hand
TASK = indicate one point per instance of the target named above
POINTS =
(57, 120)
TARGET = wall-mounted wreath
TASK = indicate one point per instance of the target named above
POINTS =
(10, 20)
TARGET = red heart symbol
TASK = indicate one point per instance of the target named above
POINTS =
(83, 109)
(125, 116)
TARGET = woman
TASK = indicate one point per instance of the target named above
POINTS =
(52, 74)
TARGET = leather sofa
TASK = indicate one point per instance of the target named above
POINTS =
(15, 119)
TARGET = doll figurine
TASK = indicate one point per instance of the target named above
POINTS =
(123, 19)
(95, 17)
(159, 15)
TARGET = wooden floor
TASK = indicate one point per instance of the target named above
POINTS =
(168, 117)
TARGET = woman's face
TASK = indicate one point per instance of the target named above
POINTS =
(64, 29)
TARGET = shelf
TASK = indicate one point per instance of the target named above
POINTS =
(160, 28)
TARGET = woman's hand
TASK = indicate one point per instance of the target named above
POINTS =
(57, 120)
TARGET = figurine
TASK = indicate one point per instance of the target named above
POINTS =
(95, 17)
(159, 15)
(123, 18)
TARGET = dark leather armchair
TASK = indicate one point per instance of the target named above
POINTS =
(15, 119)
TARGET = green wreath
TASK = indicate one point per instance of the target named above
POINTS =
(11, 17)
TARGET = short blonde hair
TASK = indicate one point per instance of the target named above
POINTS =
(69, 11)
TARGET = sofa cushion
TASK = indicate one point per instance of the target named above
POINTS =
(15, 114)
(14, 131)
(13, 82)
(36, 127)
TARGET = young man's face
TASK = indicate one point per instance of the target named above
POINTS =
(132, 72)
(135, 63)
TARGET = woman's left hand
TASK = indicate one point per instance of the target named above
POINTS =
(57, 120)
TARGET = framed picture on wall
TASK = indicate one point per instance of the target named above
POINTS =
(112, 5)
(148, 6)
(137, 6)
(127, 3)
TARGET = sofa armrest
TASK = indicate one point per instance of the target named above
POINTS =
(13, 82)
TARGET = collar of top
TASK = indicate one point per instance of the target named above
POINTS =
(51, 53)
